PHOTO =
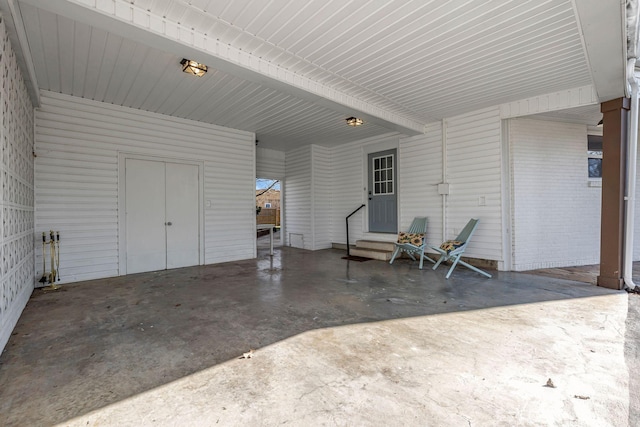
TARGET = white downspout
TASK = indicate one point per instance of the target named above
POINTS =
(632, 157)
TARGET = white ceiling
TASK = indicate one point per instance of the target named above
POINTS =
(392, 62)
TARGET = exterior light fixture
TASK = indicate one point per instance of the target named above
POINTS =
(353, 121)
(193, 67)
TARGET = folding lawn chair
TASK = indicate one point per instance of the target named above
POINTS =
(453, 249)
(413, 241)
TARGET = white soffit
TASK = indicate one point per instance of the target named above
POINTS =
(435, 58)
(91, 63)
(126, 19)
(397, 64)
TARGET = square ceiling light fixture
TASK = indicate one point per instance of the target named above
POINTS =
(353, 121)
(193, 67)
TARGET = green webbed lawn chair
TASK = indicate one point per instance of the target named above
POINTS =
(413, 241)
(453, 249)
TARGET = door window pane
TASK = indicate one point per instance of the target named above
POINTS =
(383, 175)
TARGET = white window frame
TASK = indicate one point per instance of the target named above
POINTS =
(386, 181)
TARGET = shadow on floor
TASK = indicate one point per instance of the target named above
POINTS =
(583, 273)
(95, 343)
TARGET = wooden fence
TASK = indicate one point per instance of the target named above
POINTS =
(269, 216)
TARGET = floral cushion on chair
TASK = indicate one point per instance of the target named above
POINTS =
(451, 245)
(416, 239)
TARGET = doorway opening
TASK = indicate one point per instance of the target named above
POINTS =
(268, 211)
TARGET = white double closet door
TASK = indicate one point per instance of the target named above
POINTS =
(162, 215)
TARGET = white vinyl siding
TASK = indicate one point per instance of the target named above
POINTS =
(321, 193)
(269, 163)
(78, 142)
(298, 196)
(420, 164)
(347, 192)
(308, 197)
(473, 151)
(556, 214)
(16, 195)
(474, 159)
(349, 176)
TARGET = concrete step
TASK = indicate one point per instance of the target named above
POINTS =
(372, 253)
(377, 245)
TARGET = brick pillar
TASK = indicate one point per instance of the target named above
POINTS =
(614, 158)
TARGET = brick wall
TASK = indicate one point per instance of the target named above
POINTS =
(556, 212)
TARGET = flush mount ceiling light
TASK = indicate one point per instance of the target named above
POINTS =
(193, 67)
(353, 121)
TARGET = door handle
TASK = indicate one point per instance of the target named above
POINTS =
(167, 223)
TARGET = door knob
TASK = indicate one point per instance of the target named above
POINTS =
(167, 223)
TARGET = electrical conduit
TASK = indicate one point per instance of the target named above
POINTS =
(444, 179)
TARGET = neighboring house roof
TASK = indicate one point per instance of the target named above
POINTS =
(293, 73)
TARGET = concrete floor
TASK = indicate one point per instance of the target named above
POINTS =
(335, 343)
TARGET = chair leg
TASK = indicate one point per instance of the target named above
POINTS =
(395, 254)
(428, 258)
(453, 266)
(442, 258)
(423, 257)
(476, 269)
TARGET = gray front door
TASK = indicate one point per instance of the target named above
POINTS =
(383, 192)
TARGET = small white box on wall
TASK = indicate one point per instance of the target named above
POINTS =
(296, 240)
(443, 188)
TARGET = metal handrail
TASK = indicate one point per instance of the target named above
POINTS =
(347, 221)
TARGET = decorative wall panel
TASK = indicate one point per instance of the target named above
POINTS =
(16, 202)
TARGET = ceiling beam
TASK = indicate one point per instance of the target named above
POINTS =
(130, 21)
(549, 102)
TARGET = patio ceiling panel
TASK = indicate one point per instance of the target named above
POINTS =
(73, 58)
(399, 54)
(406, 62)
